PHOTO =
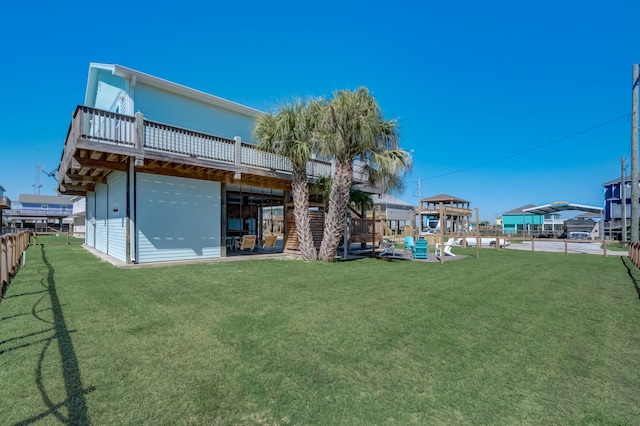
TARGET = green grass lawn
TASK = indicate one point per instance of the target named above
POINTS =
(511, 337)
(616, 246)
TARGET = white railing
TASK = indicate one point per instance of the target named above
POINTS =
(250, 156)
(163, 137)
(359, 172)
(107, 127)
(39, 212)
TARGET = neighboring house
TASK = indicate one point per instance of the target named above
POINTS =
(613, 207)
(584, 226)
(40, 212)
(77, 218)
(397, 213)
(553, 225)
(392, 217)
(517, 220)
(5, 203)
(613, 199)
(178, 179)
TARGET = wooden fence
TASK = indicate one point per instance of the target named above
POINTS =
(11, 248)
(67, 237)
(634, 253)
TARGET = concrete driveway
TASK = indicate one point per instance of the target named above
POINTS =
(558, 246)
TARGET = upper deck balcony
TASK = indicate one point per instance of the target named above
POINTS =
(39, 212)
(99, 142)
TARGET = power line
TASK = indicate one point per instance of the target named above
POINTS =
(572, 135)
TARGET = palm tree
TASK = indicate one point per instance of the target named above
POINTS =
(360, 201)
(352, 129)
(289, 132)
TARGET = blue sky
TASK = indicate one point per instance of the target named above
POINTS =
(487, 94)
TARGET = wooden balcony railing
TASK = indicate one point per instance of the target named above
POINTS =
(110, 128)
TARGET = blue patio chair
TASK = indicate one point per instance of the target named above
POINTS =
(408, 243)
(421, 249)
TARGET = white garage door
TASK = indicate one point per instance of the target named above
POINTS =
(176, 218)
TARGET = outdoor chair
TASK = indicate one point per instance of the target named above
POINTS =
(270, 241)
(388, 248)
(248, 242)
(421, 249)
(445, 248)
(409, 243)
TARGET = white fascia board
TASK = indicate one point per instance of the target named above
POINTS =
(590, 209)
(558, 207)
(179, 89)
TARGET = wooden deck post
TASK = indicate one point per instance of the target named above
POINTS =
(238, 151)
(373, 244)
(139, 139)
(443, 225)
(478, 238)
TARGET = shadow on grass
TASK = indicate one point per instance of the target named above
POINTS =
(630, 268)
(75, 400)
(25, 294)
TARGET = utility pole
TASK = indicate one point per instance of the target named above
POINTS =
(419, 211)
(623, 200)
(634, 156)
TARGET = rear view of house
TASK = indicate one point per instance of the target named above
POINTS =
(168, 172)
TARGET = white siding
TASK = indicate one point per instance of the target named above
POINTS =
(176, 218)
(90, 237)
(179, 111)
(102, 233)
(116, 216)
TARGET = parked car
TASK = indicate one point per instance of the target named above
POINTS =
(484, 241)
(580, 235)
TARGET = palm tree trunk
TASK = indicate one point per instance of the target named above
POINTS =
(334, 219)
(300, 191)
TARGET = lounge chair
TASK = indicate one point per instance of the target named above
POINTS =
(270, 241)
(248, 242)
(388, 248)
(445, 248)
(421, 249)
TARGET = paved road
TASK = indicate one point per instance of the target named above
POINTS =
(558, 246)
